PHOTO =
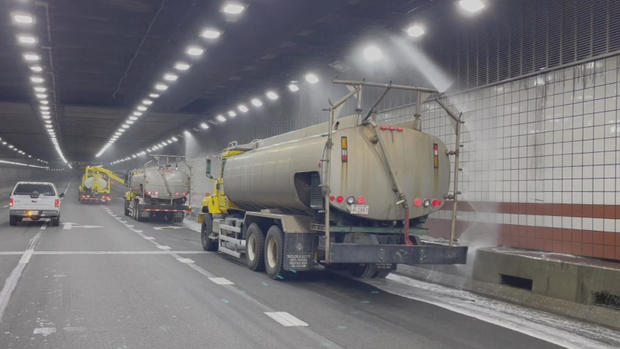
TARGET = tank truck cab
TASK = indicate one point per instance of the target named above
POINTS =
(353, 196)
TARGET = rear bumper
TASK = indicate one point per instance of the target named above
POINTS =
(34, 213)
(399, 254)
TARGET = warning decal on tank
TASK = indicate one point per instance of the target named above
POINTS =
(358, 209)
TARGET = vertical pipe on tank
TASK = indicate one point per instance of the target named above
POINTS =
(326, 162)
(457, 153)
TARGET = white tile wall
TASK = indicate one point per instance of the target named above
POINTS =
(550, 138)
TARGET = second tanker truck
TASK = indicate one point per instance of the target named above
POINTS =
(161, 188)
(353, 196)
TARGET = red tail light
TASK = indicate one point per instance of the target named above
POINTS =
(11, 202)
(417, 202)
(440, 202)
(340, 198)
(392, 128)
(332, 198)
(57, 203)
(400, 129)
(361, 200)
(383, 127)
(435, 202)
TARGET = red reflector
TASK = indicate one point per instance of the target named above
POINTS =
(361, 200)
(332, 198)
(383, 127)
(319, 164)
(435, 148)
(435, 202)
(400, 129)
(440, 202)
(345, 158)
(417, 202)
(340, 198)
(392, 128)
(56, 203)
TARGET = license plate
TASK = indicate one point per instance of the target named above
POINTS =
(32, 213)
(358, 209)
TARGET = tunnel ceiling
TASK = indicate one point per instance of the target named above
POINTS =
(104, 56)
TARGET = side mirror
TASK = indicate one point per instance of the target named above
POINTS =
(61, 195)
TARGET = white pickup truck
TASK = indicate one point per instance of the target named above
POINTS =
(35, 200)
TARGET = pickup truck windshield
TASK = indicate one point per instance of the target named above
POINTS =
(27, 189)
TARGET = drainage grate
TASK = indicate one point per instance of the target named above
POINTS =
(515, 281)
(607, 299)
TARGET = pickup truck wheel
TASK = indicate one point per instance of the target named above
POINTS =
(206, 229)
(13, 220)
(274, 251)
(255, 248)
(55, 221)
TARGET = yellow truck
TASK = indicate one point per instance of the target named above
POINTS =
(96, 184)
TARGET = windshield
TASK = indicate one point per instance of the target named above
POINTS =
(29, 188)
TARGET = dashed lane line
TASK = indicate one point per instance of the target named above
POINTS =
(221, 281)
(287, 318)
(11, 281)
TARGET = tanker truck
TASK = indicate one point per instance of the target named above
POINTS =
(161, 188)
(346, 194)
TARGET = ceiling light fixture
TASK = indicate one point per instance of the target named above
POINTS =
(170, 77)
(372, 53)
(220, 118)
(256, 102)
(31, 57)
(26, 39)
(272, 95)
(22, 18)
(242, 108)
(472, 6)
(233, 8)
(210, 33)
(194, 51)
(293, 87)
(154, 95)
(181, 66)
(204, 125)
(311, 78)
(415, 30)
(232, 113)
(161, 87)
(141, 108)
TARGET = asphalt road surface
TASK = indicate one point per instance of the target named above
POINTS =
(103, 280)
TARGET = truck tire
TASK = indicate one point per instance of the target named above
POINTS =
(274, 253)
(206, 228)
(55, 221)
(363, 270)
(126, 207)
(255, 248)
(13, 220)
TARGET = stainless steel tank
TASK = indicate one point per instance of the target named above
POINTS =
(279, 173)
(161, 182)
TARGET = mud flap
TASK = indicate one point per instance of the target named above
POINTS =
(299, 251)
(399, 254)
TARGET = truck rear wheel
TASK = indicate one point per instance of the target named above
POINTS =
(255, 248)
(208, 244)
(274, 250)
(55, 221)
(363, 270)
(13, 220)
(126, 207)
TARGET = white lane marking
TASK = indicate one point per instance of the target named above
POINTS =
(162, 247)
(43, 227)
(11, 281)
(67, 226)
(185, 260)
(174, 227)
(534, 323)
(5, 206)
(44, 331)
(149, 238)
(285, 319)
(67, 187)
(222, 281)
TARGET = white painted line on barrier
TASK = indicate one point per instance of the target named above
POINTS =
(222, 281)
(11, 281)
(285, 319)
